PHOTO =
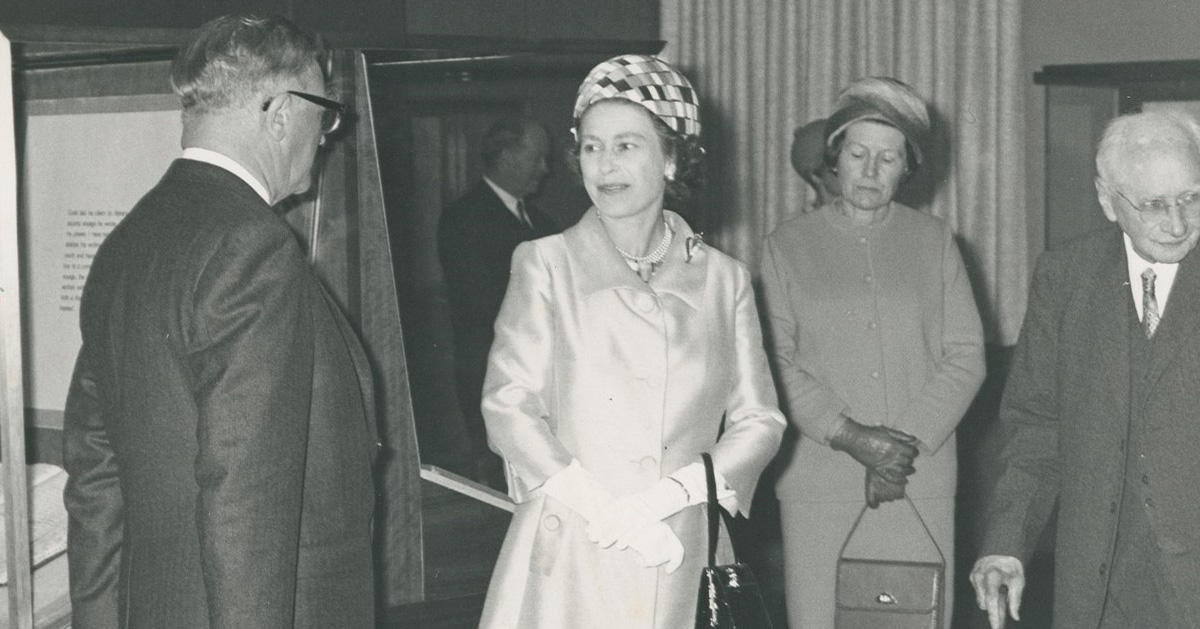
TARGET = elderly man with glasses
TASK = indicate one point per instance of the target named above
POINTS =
(1100, 411)
(219, 427)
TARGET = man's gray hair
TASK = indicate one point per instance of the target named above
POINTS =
(1132, 132)
(233, 59)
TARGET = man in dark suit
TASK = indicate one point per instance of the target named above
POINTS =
(218, 430)
(476, 238)
(1100, 409)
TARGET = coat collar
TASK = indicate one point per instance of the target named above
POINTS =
(589, 244)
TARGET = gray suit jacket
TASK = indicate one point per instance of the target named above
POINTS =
(1066, 412)
(216, 431)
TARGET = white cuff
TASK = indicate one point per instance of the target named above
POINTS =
(691, 476)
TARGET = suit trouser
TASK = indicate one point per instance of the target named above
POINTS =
(813, 534)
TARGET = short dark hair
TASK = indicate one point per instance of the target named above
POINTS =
(232, 59)
(685, 151)
(503, 134)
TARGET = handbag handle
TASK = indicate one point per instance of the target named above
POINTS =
(714, 508)
(908, 500)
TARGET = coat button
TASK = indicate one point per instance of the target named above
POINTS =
(872, 325)
(645, 303)
(1145, 479)
(867, 277)
(552, 522)
(1149, 503)
(875, 374)
(1103, 569)
(1112, 507)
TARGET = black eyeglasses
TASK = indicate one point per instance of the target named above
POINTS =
(331, 115)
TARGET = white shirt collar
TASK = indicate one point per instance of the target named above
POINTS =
(221, 160)
(509, 200)
(1164, 277)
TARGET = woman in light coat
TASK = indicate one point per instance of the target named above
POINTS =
(878, 351)
(624, 349)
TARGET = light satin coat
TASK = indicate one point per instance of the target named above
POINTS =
(633, 379)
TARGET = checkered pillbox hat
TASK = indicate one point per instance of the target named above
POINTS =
(647, 81)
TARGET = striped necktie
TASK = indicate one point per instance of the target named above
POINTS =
(1150, 314)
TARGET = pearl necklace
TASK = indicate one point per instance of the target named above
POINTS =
(656, 256)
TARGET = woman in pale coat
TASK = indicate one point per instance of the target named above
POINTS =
(622, 348)
(878, 351)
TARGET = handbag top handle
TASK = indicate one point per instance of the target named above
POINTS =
(908, 500)
(714, 511)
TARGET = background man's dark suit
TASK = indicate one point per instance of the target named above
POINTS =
(476, 238)
(216, 423)
(1068, 409)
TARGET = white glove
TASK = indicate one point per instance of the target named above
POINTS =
(656, 544)
(684, 488)
(614, 523)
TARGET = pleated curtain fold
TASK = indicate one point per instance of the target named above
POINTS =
(763, 67)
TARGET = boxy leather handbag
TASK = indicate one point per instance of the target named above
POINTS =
(890, 594)
(730, 597)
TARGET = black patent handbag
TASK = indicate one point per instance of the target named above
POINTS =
(730, 597)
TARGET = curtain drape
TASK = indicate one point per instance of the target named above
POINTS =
(766, 66)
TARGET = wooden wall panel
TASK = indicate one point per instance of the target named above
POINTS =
(589, 19)
(134, 13)
(367, 20)
(488, 18)
(369, 16)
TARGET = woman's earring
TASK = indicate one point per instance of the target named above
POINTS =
(670, 175)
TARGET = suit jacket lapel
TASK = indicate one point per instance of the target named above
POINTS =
(1105, 321)
(542, 224)
(1180, 320)
(496, 206)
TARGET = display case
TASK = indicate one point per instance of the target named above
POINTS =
(1080, 100)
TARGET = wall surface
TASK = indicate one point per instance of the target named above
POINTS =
(1093, 31)
(373, 21)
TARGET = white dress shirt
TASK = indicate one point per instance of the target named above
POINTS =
(1164, 278)
(511, 202)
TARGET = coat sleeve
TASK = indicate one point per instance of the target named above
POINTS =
(520, 375)
(95, 505)
(810, 404)
(935, 411)
(251, 356)
(753, 424)
(1027, 489)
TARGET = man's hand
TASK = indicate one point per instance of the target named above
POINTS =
(991, 573)
(879, 490)
(885, 450)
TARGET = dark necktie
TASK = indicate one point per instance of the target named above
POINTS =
(523, 214)
(1150, 314)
